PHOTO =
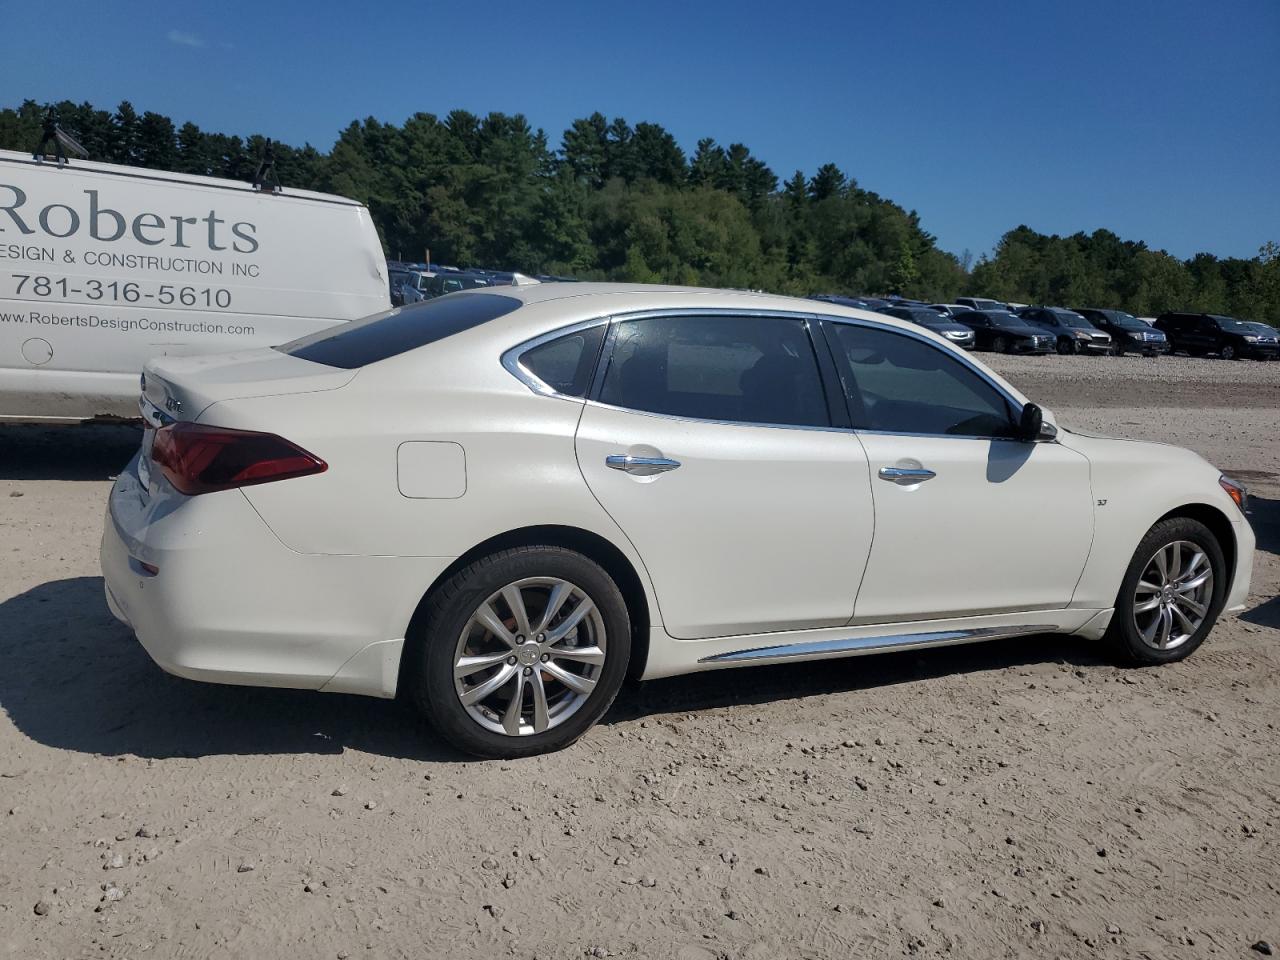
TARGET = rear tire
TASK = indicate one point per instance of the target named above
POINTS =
(456, 655)
(1171, 594)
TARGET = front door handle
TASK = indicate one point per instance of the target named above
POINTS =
(906, 476)
(640, 466)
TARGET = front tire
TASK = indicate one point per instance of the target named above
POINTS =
(1171, 594)
(521, 652)
(1066, 347)
(1228, 352)
(1000, 345)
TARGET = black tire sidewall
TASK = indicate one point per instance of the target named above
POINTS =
(1122, 632)
(452, 605)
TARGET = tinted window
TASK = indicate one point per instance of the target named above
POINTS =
(899, 384)
(740, 369)
(566, 363)
(361, 342)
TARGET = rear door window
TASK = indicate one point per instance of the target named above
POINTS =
(383, 335)
(758, 370)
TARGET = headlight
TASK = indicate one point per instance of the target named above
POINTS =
(1236, 491)
(1081, 335)
(1249, 339)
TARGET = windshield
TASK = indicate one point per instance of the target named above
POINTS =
(1232, 325)
(1127, 321)
(1069, 318)
(1005, 321)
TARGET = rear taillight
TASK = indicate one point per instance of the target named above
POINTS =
(200, 459)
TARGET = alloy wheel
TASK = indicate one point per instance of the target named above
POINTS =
(530, 656)
(1173, 595)
(1228, 352)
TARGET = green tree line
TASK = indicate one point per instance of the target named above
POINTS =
(621, 202)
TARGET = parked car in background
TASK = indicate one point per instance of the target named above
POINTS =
(858, 303)
(397, 277)
(414, 288)
(1268, 336)
(1198, 334)
(1072, 333)
(962, 336)
(502, 503)
(981, 303)
(1002, 332)
(443, 283)
(1128, 333)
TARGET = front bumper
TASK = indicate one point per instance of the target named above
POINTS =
(1260, 352)
(1028, 346)
(231, 604)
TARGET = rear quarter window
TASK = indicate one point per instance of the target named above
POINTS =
(566, 363)
(389, 334)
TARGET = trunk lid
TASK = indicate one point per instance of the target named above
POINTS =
(183, 388)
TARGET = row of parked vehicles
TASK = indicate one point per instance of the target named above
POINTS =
(415, 282)
(984, 324)
(971, 323)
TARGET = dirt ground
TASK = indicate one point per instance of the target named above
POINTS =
(1014, 799)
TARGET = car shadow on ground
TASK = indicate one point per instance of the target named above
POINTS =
(81, 452)
(75, 679)
(1264, 515)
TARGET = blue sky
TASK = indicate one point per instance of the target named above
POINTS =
(1159, 119)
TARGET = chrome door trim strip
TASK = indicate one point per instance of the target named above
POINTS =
(853, 646)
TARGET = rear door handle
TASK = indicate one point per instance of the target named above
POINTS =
(906, 476)
(640, 466)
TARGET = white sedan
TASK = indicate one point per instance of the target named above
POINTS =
(501, 503)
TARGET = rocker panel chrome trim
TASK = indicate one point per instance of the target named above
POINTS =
(853, 646)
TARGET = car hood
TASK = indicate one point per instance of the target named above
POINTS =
(945, 327)
(1097, 446)
(1026, 330)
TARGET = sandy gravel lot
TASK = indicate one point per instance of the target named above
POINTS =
(1015, 799)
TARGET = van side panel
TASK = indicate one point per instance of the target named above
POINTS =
(103, 268)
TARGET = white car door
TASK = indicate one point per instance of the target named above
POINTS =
(710, 444)
(969, 519)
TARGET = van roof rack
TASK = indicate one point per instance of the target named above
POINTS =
(265, 179)
(61, 140)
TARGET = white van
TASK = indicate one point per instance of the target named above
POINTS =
(103, 267)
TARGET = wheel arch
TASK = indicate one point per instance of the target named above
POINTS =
(1219, 525)
(589, 544)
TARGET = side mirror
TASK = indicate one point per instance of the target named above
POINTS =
(1029, 423)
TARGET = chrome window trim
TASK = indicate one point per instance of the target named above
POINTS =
(511, 358)
(720, 423)
(511, 361)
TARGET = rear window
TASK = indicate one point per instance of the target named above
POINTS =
(383, 335)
